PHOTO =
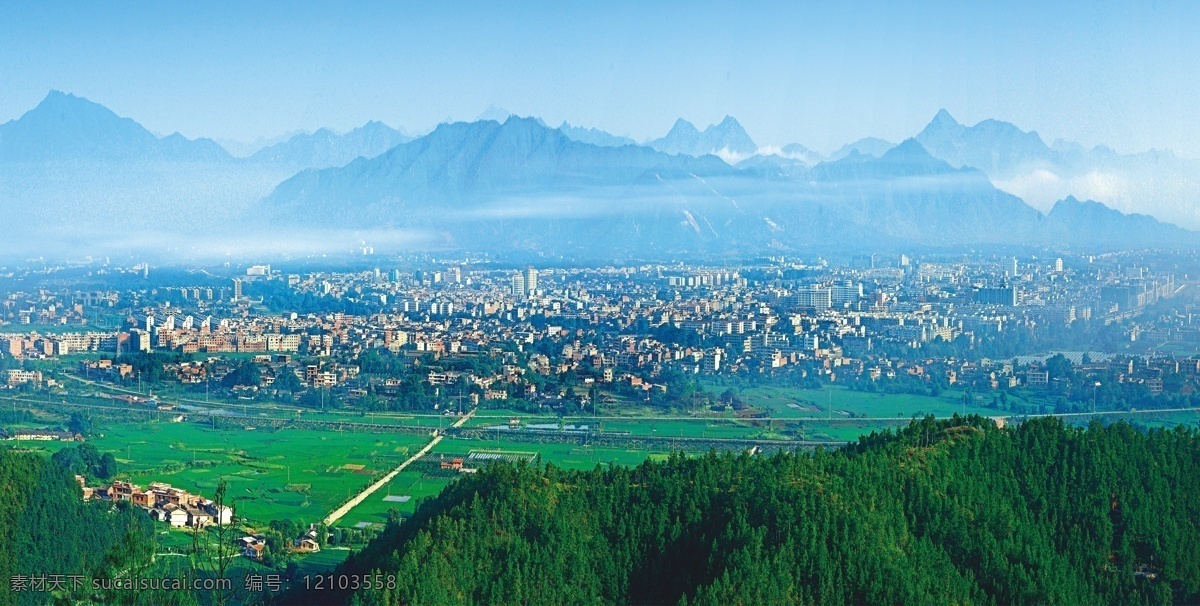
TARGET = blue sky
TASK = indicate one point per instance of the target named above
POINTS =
(1123, 74)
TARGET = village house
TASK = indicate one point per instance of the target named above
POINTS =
(197, 518)
(21, 377)
(177, 516)
(44, 435)
(87, 492)
(252, 547)
(165, 503)
(306, 545)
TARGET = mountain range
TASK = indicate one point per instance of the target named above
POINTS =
(869, 146)
(64, 127)
(325, 148)
(520, 181)
(727, 140)
(72, 171)
(1154, 182)
(594, 136)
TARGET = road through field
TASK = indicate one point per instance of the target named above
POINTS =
(368, 491)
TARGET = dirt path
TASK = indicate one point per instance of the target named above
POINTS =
(368, 491)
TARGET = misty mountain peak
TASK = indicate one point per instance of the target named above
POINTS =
(869, 146)
(57, 97)
(943, 119)
(731, 127)
(682, 127)
(998, 148)
(726, 139)
(326, 147)
(909, 149)
(67, 106)
(494, 113)
(67, 127)
(594, 136)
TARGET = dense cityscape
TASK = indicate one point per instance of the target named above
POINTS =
(987, 322)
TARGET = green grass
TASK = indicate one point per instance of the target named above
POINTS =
(792, 402)
(567, 455)
(788, 406)
(1153, 420)
(292, 473)
(321, 561)
(419, 485)
(410, 483)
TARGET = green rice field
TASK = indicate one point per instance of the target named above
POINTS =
(291, 473)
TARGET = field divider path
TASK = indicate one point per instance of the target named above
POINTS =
(368, 491)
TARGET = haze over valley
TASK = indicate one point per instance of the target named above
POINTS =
(76, 178)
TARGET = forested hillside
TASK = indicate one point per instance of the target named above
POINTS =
(46, 528)
(942, 512)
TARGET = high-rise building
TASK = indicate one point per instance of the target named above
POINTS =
(814, 297)
(1005, 295)
(531, 281)
(518, 285)
(1010, 268)
(237, 289)
(1058, 266)
(846, 292)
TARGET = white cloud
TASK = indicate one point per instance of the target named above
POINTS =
(730, 157)
(1041, 188)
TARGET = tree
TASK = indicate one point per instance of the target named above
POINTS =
(79, 424)
(1059, 367)
(288, 381)
(245, 373)
(213, 550)
(107, 467)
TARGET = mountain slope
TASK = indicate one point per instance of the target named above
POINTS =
(1019, 162)
(796, 151)
(916, 197)
(461, 162)
(325, 148)
(1091, 223)
(870, 146)
(594, 136)
(491, 184)
(491, 181)
(992, 146)
(73, 174)
(64, 127)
